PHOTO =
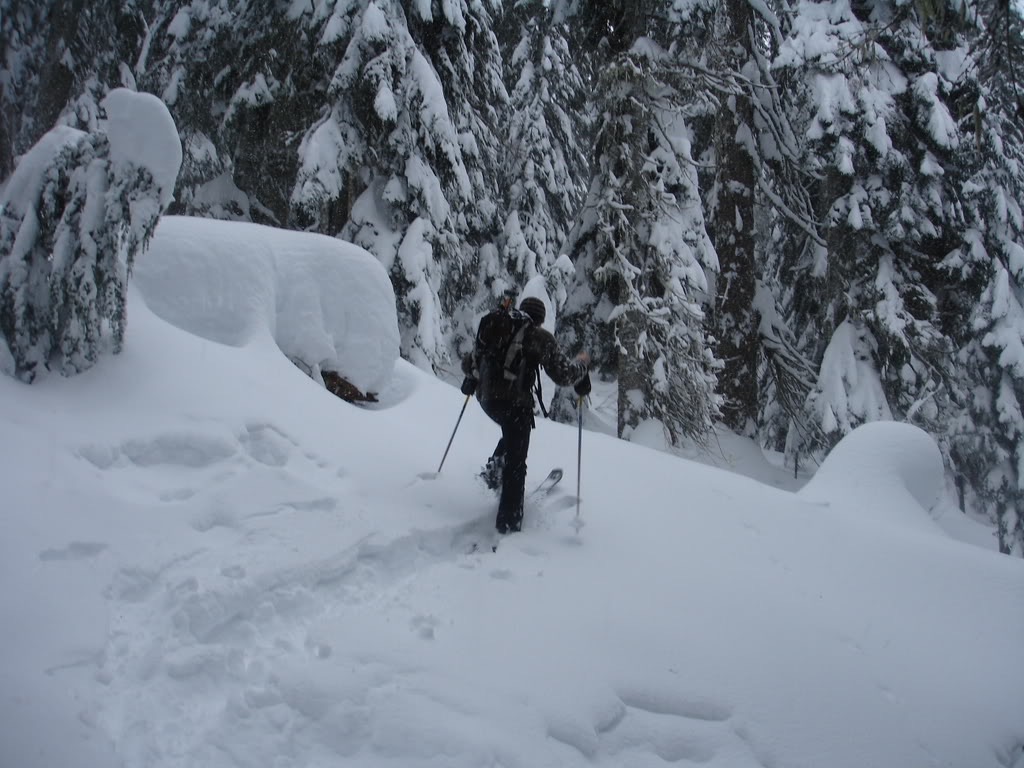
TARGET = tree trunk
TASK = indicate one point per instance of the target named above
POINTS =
(736, 319)
(632, 378)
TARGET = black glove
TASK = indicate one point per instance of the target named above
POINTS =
(583, 386)
(468, 385)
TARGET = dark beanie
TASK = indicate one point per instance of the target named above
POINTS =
(534, 307)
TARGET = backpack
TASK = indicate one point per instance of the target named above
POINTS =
(499, 355)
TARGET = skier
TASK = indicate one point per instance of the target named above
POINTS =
(509, 403)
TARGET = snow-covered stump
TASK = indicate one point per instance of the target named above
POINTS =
(73, 216)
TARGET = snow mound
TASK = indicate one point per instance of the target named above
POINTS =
(890, 470)
(326, 303)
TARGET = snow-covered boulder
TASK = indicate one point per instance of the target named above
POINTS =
(328, 304)
(887, 469)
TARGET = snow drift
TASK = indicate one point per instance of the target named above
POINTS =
(326, 303)
(878, 462)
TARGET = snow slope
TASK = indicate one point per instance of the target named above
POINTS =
(208, 560)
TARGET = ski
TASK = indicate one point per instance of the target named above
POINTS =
(547, 484)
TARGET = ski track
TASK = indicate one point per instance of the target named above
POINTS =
(212, 657)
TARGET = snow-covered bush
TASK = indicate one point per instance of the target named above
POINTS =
(328, 304)
(73, 216)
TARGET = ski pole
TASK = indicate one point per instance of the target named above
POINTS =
(579, 457)
(464, 404)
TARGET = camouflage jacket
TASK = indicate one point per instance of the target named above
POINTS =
(541, 351)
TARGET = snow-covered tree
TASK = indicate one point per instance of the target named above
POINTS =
(277, 106)
(865, 270)
(987, 436)
(73, 216)
(641, 249)
(409, 148)
(544, 165)
(60, 58)
(240, 82)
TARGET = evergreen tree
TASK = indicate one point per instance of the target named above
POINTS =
(868, 280)
(752, 179)
(641, 249)
(543, 165)
(241, 84)
(275, 129)
(74, 215)
(987, 437)
(785, 224)
(60, 58)
(409, 148)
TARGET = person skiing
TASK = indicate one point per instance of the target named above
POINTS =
(508, 401)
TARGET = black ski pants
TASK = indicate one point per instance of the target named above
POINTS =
(516, 420)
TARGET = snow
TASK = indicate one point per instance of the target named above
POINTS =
(849, 389)
(375, 25)
(208, 560)
(423, 9)
(170, 93)
(256, 93)
(336, 26)
(941, 125)
(819, 32)
(420, 176)
(1007, 332)
(325, 303)
(180, 25)
(26, 183)
(320, 152)
(222, 198)
(299, 8)
(416, 257)
(896, 461)
(142, 133)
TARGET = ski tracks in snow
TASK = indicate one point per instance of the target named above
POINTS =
(254, 647)
(196, 671)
